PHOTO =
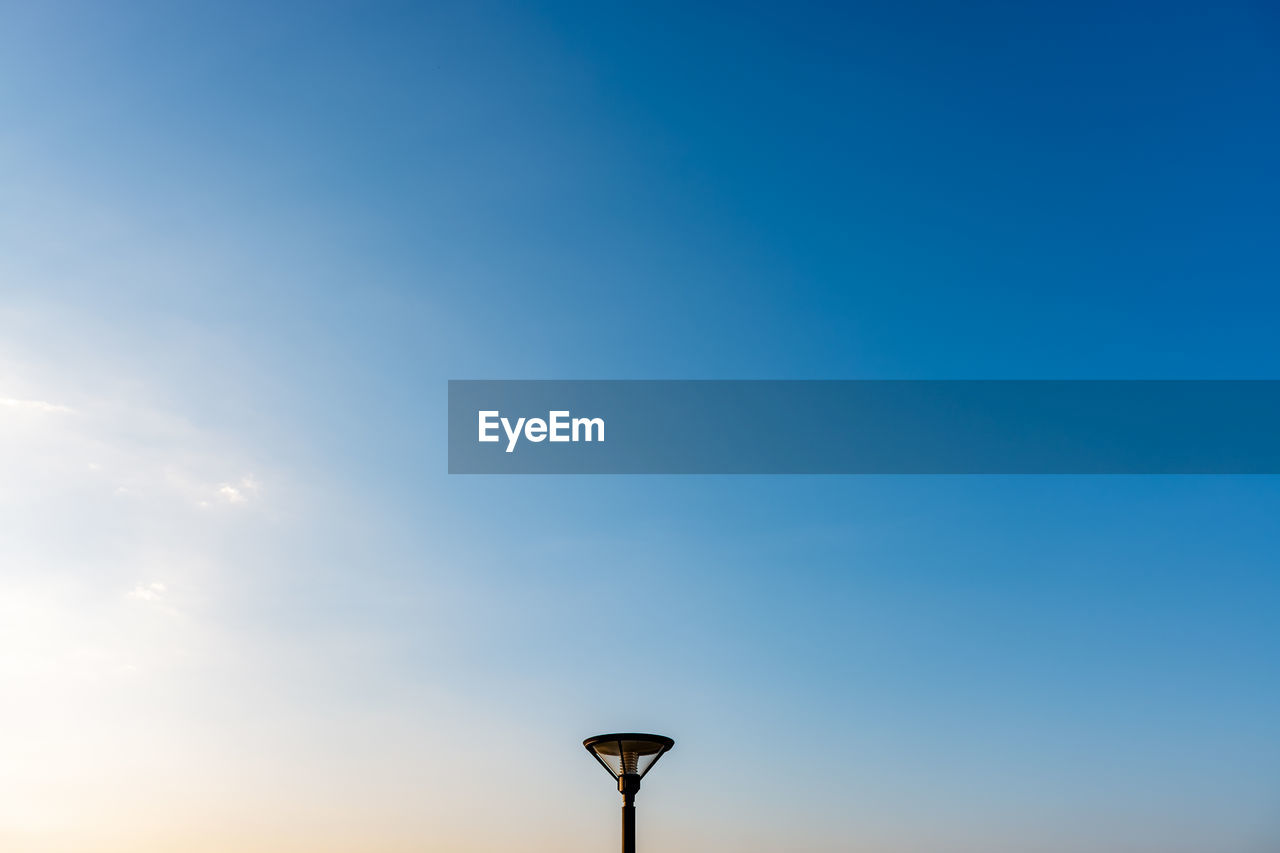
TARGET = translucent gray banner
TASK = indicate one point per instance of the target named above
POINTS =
(863, 427)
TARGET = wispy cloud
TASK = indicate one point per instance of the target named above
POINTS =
(240, 492)
(148, 592)
(97, 502)
(40, 406)
(116, 447)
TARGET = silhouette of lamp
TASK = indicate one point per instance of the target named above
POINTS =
(628, 757)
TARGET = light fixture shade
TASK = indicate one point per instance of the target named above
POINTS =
(629, 754)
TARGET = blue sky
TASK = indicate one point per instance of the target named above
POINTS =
(243, 249)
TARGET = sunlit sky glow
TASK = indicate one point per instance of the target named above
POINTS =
(243, 247)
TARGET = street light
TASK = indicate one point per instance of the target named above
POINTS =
(628, 757)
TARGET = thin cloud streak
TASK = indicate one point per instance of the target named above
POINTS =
(40, 406)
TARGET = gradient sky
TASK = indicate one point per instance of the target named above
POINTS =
(243, 247)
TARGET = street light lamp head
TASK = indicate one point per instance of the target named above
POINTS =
(628, 756)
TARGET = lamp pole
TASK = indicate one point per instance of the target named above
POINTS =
(628, 784)
(629, 825)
